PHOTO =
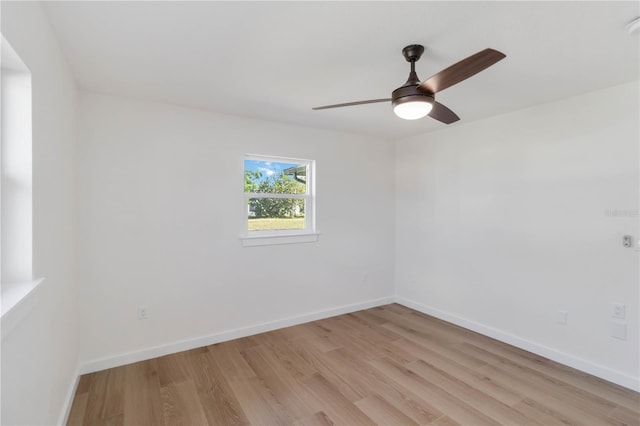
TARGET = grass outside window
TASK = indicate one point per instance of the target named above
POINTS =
(263, 224)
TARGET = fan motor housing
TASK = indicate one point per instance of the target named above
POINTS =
(413, 52)
(409, 93)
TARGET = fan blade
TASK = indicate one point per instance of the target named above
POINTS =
(443, 114)
(462, 70)
(371, 101)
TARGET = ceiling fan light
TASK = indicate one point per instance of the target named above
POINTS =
(413, 109)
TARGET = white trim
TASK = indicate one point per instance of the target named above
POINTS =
(273, 239)
(63, 419)
(277, 159)
(275, 195)
(197, 342)
(606, 373)
(18, 300)
(14, 293)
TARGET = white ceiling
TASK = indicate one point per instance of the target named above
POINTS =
(276, 60)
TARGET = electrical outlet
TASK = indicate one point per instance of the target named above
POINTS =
(143, 312)
(365, 277)
(618, 310)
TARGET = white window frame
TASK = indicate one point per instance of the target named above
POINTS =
(17, 285)
(283, 236)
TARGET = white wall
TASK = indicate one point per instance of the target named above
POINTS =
(39, 352)
(502, 222)
(161, 207)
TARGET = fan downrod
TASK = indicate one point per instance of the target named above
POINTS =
(413, 52)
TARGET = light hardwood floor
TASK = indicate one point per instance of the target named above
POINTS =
(388, 365)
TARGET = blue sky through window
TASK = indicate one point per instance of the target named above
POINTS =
(268, 168)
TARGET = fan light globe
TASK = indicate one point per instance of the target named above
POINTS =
(413, 110)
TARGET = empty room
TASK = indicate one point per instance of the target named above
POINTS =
(347, 213)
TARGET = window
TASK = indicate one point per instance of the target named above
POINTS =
(15, 180)
(279, 200)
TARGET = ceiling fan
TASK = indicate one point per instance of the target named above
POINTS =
(415, 100)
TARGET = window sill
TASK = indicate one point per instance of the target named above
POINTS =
(269, 240)
(17, 301)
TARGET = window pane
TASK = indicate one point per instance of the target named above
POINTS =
(275, 213)
(272, 177)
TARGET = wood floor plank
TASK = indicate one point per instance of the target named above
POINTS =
(577, 411)
(341, 363)
(249, 341)
(322, 363)
(320, 419)
(117, 420)
(444, 348)
(382, 412)
(97, 398)
(320, 337)
(590, 392)
(227, 355)
(84, 383)
(279, 350)
(78, 409)
(181, 405)
(468, 376)
(283, 386)
(542, 414)
(335, 405)
(448, 404)
(142, 401)
(371, 317)
(174, 368)
(264, 407)
(384, 316)
(562, 390)
(586, 382)
(371, 344)
(337, 334)
(626, 416)
(473, 397)
(113, 409)
(386, 365)
(373, 382)
(440, 326)
(443, 334)
(216, 397)
(369, 328)
(445, 421)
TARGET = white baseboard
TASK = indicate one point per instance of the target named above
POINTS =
(597, 370)
(68, 399)
(197, 342)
